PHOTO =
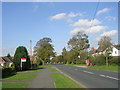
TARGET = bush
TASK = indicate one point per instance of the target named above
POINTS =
(82, 62)
(21, 52)
(98, 60)
(7, 72)
(114, 60)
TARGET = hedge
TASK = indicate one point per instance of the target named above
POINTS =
(8, 72)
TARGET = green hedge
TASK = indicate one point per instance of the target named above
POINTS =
(114, 60)
(8, 72)
(101, 60)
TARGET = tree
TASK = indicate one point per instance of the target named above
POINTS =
(104, 42)
(105, 45)
(78, 43)
(8, 55)
(64, 53)
(21, 52)
(44, 50)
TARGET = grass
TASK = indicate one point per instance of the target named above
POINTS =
(77, 64)
(24, 75)
(108, 68)
(21, 76)
(52, 69)
(62, 81)
(14, 85)
(103, 67)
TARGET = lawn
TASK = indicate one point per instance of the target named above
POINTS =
(24, 75)
(103, 67)
(21, 76)
(108, 68)
(14, 85)
(62, 81)
(52, 69)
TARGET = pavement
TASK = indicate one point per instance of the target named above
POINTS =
(91, 78)
(43, 80)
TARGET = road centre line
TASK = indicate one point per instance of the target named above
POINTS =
(88, 72)
(109, 77)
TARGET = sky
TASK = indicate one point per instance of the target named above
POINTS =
(25, 21)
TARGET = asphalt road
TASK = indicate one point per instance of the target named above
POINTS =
(91, 78)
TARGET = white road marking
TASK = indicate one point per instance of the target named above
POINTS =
(109, 77)
(88, 72)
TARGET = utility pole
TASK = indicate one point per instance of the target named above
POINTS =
(30, 47)
(31, 52)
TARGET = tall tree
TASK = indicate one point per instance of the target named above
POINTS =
(104, 42)
(21, 52)
(105, 45)
(44, 50)
(79, 42)
(64, 53)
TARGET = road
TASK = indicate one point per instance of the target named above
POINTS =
(91, 78)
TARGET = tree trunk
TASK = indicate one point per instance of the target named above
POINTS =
(106, 61)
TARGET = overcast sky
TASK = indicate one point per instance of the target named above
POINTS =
(23, 22)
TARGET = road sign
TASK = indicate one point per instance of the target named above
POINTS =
(23, 59)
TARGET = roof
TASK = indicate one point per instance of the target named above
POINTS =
(117, 46)
(6, 59)
(2, 60)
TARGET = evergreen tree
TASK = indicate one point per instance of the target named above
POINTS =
(21, 52)
(8, 55)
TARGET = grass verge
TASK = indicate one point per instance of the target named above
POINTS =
(52, 69)
(108, 68)
(103, 67)
(14, 85)
(62, 81)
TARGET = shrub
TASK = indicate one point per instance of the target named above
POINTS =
(21, 52)
(7, 72)
(98, 60)
(114, 60)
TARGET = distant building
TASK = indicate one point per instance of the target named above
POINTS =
(6, 62)
(115, 50)
(2, 62)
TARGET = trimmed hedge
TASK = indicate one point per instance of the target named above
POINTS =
(8, 72)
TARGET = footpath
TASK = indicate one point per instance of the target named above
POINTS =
(43, 80)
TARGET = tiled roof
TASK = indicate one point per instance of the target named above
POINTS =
(117, 47)
(2, 60)
(6, 59)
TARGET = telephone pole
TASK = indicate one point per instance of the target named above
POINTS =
(30, 47)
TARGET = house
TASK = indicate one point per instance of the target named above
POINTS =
(6, 62)
(2, 62)
(115, 50)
